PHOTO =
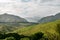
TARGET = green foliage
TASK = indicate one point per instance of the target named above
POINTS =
(15, 36)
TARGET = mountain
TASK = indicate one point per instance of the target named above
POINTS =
(49, 18)
(10, 22)
(11, 18)
(57, 16)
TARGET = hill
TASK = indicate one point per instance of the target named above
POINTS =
(10, 22)
(50, 30)
(50, 18)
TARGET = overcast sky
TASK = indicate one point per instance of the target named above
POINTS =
(30, 8)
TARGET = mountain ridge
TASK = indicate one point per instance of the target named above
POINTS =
(50, 18)
(11, 18)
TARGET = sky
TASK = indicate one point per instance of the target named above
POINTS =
(30, 8)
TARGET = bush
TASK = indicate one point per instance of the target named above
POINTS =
(15, 36)
(37, 36)
(1, 36)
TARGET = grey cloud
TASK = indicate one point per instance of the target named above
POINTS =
(50, 2)
(25, 0)
(42, 1)
(30, 9)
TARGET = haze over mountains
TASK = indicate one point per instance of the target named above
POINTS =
(48, 18)
(33, 19)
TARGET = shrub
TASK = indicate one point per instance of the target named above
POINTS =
(37, 36)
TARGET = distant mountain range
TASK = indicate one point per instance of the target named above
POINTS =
(9, 22)
(11, 18)
(50, 18)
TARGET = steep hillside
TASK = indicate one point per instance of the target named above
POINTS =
(45, 28)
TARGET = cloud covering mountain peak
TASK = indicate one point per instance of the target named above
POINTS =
(30, 8)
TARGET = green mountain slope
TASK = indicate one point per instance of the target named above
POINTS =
(50, 27)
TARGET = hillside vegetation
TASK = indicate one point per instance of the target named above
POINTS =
(45, 31)
(46, 27)
(51, 30)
